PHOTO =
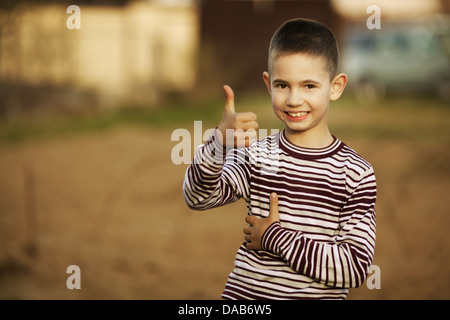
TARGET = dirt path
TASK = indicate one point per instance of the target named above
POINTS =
(111, 203)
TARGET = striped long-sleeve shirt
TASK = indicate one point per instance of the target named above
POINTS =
(325, 239)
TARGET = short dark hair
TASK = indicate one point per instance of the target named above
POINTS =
(305, 36)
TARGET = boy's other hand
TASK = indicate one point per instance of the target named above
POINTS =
(241, 126)
(257, 226)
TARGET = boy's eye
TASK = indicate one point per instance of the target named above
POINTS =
(310, 86)
(281, 86)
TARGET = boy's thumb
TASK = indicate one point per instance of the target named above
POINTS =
(274, 214)
(229, 104)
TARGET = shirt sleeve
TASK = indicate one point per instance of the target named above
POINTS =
(344, 262)
(215, 177)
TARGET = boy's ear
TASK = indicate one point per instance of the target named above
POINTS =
(337, 86)
(266, 77)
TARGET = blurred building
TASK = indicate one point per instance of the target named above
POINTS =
(135, 52)
(130, 53)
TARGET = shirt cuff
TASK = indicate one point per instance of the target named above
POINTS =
(271, 237)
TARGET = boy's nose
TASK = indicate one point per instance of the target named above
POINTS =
(295, 99)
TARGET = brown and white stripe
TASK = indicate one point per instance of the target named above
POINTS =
(324, 242)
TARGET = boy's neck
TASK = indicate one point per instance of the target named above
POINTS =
(308, 139)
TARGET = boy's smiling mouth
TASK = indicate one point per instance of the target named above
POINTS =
(299, 115)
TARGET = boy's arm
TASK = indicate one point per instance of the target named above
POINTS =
(214, 178)
(345, 261)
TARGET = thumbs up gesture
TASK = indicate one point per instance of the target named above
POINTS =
(257, 226)
(241, 127)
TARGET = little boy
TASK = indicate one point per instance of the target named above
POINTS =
(310, 198)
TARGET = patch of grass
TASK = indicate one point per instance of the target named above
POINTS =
(169, 115)
(394, 118)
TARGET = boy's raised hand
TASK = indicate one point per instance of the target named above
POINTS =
(240, 127)
(257, 226)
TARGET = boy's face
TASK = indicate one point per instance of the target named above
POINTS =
(301, 91)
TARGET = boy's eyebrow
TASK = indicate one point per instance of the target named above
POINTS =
(309, 81)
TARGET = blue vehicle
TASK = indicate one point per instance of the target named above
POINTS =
(406, 57)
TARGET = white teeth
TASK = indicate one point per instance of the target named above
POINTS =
(297, 114)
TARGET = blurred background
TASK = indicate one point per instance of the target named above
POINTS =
(86, 122)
